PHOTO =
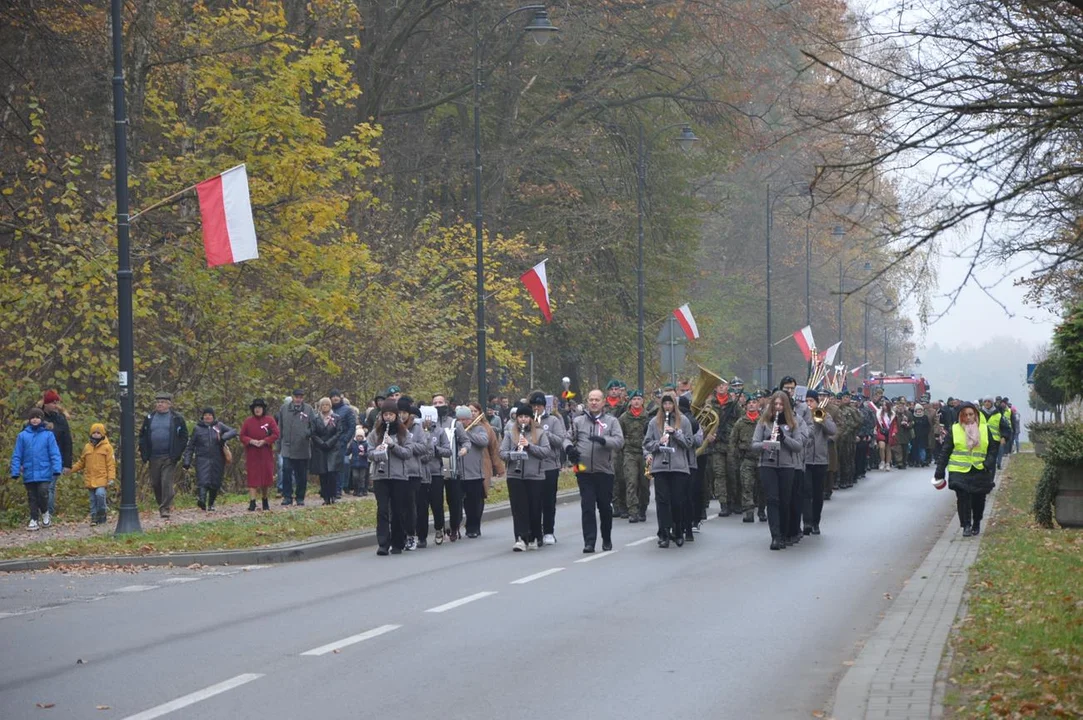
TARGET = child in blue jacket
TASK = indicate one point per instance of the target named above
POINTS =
(357, 457)
(37, 458)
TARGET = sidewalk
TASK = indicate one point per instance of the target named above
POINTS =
(895, 675)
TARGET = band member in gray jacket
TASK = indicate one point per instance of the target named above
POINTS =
(391, 448)
(780, 440)
(553, 426)
(431, 495)
(593, 437)
(820, 431)
(666, 444)
(410, 418)
(525, 449)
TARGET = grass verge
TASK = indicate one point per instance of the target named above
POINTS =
(1019, 651)
(249, 531)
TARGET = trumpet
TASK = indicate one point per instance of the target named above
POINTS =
(818, 415)
(647, 467)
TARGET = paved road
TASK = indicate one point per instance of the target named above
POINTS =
(721, 628)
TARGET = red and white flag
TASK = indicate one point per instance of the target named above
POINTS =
(537, 284)
(687, 322)
(229, 235)
(857, 369)
(804, 340)
(829, 356)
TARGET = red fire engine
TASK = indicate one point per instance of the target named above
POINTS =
(914, 388)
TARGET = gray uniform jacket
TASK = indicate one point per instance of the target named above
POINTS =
(477, 444)
(295, 427)
(417, 439)
(681, 439)
(554, 428)
(789, 453)
(396, 466)
(538, 450)
(436, 440)
(816, 451)
(598, 458)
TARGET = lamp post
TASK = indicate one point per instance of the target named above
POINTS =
(128, 519)
(685, 140)
(541, 29)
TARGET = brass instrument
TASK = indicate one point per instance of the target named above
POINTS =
(647, 467)
(474, 422)
(706, 417)
(819, 414)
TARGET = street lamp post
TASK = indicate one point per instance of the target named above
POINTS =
(541, 29)
(686, 140)
(128, 518)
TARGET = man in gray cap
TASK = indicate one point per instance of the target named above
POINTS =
(162, 440)
(294, 422)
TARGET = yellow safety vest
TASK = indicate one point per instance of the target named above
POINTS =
(962, 460)
(994, 424)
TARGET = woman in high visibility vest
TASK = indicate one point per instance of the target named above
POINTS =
(969, 456)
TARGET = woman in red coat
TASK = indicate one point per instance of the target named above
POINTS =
(258, 435)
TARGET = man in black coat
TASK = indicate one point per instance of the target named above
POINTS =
(57, 422)
(162, 440)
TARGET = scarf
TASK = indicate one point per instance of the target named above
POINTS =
(722, 399)
(973, 439)
(753, 415)
(636, 412)
(613, 401)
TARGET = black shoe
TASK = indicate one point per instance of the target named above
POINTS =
(679, 541)
(287, 501)
(807, 530)
(382, 551)
(472, 535)
(396, 551)
(762, 515)
(749, 517)
(422, 544)
(588, 549)
(974, 530)
(266, 504)
(201, 505)
(642, 517)
(633, 519)
(776, 544)
(607, 546)
(251, 506)
(663, 542)
(826, 498)
(624, 515)
(724, 512)
(815, 529)
(967, 532)
(689, 536)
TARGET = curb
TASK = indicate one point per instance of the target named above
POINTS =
(272, 554)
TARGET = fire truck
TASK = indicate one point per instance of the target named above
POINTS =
(914, 388)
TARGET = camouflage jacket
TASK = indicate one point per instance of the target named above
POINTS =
(634, 428)
(740, 440)
(728, 415)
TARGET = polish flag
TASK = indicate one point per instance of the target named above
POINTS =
(829, 356)
(537, 284)
(229, 235)
(857, 369)
(804, 340)
(687, 322)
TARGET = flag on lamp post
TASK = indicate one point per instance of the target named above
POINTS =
(537, 284)
(687, 322)
(229, 234)
(804, 340)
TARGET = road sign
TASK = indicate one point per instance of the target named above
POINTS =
(671, 345)
(1030, 373)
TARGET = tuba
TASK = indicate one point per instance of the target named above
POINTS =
(706, 417)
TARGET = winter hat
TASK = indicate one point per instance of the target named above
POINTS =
(812, 395)
(389, 406)
(207, 411)
(537, 398)
(919, 411)
(164, 396)
(667, 395)
(415, 411)
(35, 413)
(359, 432)
(97, 428)
(462, 412)
(258, 402)
(51, 396)
(683, 403)
(524, 410)
(404, 403)
(334, 392)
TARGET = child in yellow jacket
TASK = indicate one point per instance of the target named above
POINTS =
(99, 469)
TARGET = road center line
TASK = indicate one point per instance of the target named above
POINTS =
(461, 601)
(352, 640)
(597, 556)
(640, 542)
(193, 698)
(536, 576)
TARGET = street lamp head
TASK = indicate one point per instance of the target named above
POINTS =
(540, 28)
(838, 231)
(687, 138)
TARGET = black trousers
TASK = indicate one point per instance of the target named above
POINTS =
(414, 485)
(430, 496)
(294, 478)
(971, 507)
(549, 501)
(797, 505)
(814, 493)
(329, 485)
(392, 511)
(777, 485)
(37, 496)
(861, 458)
(596, 493)
(525, 497)
(670, 501)
(453, 488)
(693, 499)
(474, 504)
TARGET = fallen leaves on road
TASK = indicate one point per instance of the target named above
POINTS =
(46, 706)
(848, 663)
(103, 707)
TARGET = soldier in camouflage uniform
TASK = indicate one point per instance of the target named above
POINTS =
(720, 475)
(745, 458)
(633, 423)
(615, 406)
(847, 440)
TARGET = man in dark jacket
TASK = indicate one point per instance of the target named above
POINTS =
(295, 423)
(56, 421)
(162, 440)
(346, 420)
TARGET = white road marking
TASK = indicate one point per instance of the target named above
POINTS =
(246, 568)
(640, 542)
(597, 556)
(461, 601)
(535, 576)
(177, 580)
(7, 615)
(352, 640)
(135, 588)
(193, 698)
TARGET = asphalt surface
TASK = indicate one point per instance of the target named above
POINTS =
(722, 628)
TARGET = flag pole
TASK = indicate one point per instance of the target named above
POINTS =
(171, 198)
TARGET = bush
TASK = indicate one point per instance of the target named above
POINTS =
(1065, 448)
(1041, 430)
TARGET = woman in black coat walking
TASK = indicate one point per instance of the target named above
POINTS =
(969, 456)
(207, 448)
(327, 457)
